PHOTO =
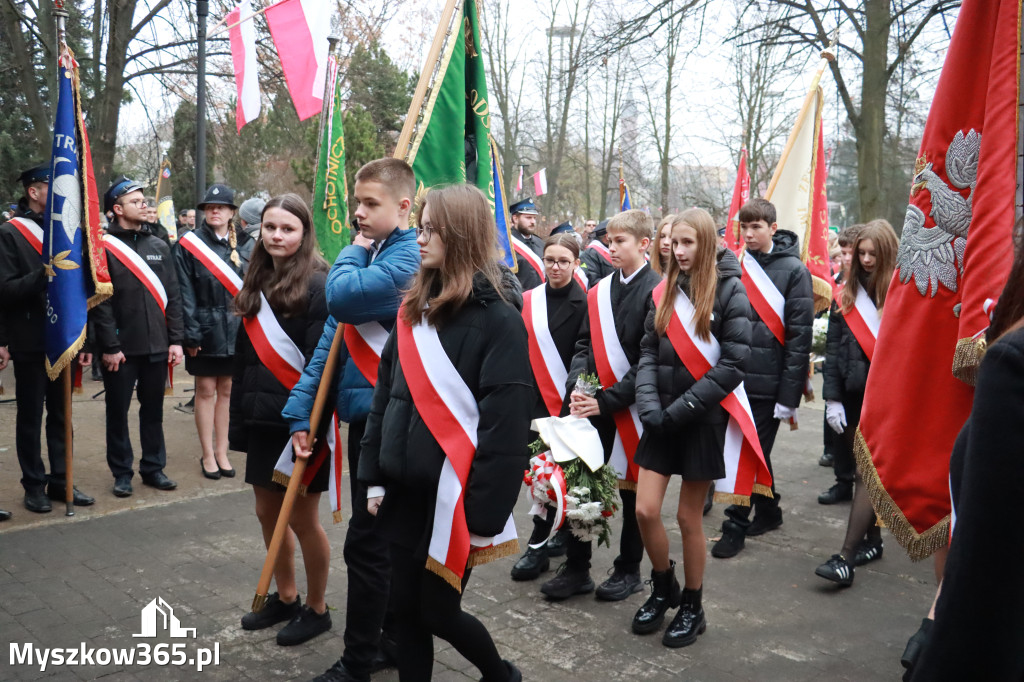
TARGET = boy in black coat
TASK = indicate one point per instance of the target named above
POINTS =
(777, 281)
(631, 286)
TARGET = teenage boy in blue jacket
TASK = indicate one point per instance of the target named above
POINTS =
(365, 285)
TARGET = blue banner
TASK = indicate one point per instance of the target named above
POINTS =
(63, 237)
(625, 204)
(501, 210)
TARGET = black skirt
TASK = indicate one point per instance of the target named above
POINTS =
(264, 449)
(209, 366)
(695, 452)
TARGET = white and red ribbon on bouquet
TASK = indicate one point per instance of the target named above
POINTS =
(449, 409)
(546, 482)
(745, 468)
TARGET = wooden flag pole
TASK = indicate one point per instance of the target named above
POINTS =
(69, 482)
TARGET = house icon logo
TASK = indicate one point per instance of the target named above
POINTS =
(158, 616)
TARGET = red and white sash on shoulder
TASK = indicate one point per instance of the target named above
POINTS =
(612, 366)
(529, 256)
(285, 360)
(31, 231)
(863, 320)
(601, 249)
(548, 370)
(765, 298)
(580, 275)
(745, 468)
(212, 262)
(127, 256)
(450, 411)
(365, 343)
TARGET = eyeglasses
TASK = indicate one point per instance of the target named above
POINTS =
(562, 263)
(427, 230)
(134, 202)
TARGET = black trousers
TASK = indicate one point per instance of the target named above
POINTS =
(33, 390)
(767, 429)
(844, 462)
(631, 545)
(145, 375)
(369, 572)
(426, 605)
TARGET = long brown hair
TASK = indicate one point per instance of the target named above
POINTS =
(461, 216)
(287, 288)
(703, 274)
(883, 238)
(1009, 312)
(656, 263)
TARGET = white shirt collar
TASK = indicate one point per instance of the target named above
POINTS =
(627, 280)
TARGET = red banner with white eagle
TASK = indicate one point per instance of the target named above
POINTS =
(954, 254)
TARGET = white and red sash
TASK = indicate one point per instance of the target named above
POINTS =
(450, 411)
(601, 249)
(212, 262)
(365, 343)
(765, 298)
(863, 320)
(548, 370)
(612, 366)
(745, 468)
(529, 256)
(580, 275)
(127, 256)
(31, 231)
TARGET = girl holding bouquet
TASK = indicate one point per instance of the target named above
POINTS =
(684, 421)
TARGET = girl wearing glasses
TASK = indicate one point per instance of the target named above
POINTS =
(553, 313)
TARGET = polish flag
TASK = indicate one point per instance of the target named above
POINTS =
(540, 182)
(243, 58)
(519, 182)
(300, 29)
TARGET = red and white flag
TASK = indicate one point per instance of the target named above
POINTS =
(519, 182)
(740, 196)
(243, 59)
(300, 29)
(540, 182)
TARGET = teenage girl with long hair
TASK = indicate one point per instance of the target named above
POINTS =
(684, 422)
(662, 245)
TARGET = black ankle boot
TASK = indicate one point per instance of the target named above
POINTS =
(665, 595)
(915, 645)
(688, 623)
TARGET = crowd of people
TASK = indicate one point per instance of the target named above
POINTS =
(445, 358)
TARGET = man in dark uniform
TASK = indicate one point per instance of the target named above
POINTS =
(524, 223)
(23, 312)
(594, 259)
(137, 336)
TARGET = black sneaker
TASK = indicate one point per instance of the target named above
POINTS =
(339, 673)
(840, 492)
(566, 583)
(531, 565)
(557, 545)
(306, 625)
(274, 611)
(730, 544)
(762, 524)
(868, 551)
(123, 486)
(837, 569)
(619, 586)
(826, 460)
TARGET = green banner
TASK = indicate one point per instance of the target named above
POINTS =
(330, 189)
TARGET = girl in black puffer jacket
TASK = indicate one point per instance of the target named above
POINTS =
(288, 275)
(846, 376)
(684, 421)
(457, 323)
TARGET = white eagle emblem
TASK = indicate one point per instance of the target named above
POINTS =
(935, 255)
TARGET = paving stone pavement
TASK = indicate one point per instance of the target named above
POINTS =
(82, 581)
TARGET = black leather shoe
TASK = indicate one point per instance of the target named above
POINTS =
(688, 623)
(58, 492)
(339, 673)
(665, 595)
(826, 460)
(306, 625)
(557, 545)
(567, 583)
(37, 502)
(5, 515)
(763, 523)
(840, 492)
(159, 481)
(227, 473)
(531, 565)
(212, 475)
(123, 486)
(731, 543)
(619, 586)
(273, 612)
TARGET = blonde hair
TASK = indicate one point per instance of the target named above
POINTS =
(703, 274)
(634, 222)
(462, 218)
(886, 244)
(656, 263)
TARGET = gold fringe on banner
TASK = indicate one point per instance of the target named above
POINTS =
(486, 556)
(967, 358)
(336, 516)
(731, 498)
(284, 479)
(627, 485)
(918, 545)
(822, 294)
(762, 489)
(442, 571)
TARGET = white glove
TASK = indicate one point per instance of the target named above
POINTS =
(835, 415)
(784, 413)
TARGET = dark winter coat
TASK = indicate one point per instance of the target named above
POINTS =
(257, 397)
(775, 372)
(526, 274)
(130, 321)
(209, 309)
(567, 308)
(22, 288)
(979, 618)
(846, 364)
(668, 398)
(486, 341)
(595, 265)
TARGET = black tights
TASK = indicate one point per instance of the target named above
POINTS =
(862, 523)
(425, 605)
